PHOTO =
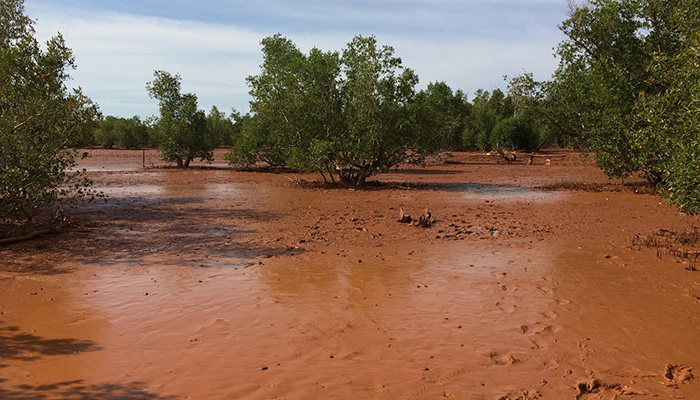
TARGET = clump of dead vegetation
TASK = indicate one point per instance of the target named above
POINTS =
(437, 159)
(424, 221)
(683, 245)
(633, 187)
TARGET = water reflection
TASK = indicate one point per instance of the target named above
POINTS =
(170, 189)
(508, 193)
(485, 291)
(351, 282)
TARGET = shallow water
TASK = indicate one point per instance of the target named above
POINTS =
(509, 193)
(308, 320)
(169, 190)
(212, 284)
(466, 321)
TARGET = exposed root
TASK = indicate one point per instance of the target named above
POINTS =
(636, 187)
(682, 245)
(677, 374)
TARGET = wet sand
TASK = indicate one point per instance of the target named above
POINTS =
(214, 283)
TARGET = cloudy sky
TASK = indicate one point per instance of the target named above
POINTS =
(215, 44)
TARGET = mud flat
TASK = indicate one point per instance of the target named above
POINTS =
(219, 284)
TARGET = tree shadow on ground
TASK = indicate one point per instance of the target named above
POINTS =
(422, 171)
(23, 346)
(477, 188)
(128, 230)
(79, 390)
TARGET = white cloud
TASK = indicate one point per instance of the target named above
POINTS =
(116, 53)
(474, 64)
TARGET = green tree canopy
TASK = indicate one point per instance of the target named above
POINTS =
(627, 88)
(40, 119)
(220, 128)
(343, 115)
(443, 113)
(130, 133)
(488, 109)
(182, 127)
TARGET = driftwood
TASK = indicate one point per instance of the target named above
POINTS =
(425, 220)
(509, 157)
(403, 217)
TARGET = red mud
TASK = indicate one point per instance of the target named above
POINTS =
(214, 283)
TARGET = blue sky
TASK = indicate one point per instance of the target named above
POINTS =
(215, 44)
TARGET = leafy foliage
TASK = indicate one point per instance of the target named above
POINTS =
(442, 113)
(668, 112)
(129, 133)
(182, 127)
(346, 116)
(254, 142)
(627, 87)
(220, 127)
(487, 111)
(40, 119)
(520, 131)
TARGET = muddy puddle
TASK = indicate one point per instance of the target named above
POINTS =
(224, 284)
(170, 190)
(510, 193)
(391, 326)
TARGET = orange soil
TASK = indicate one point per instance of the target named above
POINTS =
(213, 283)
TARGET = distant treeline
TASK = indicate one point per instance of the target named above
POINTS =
(490, 119)
(137, 133)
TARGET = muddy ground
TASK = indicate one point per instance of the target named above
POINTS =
(213, 283)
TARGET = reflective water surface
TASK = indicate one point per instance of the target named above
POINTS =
(197, 285)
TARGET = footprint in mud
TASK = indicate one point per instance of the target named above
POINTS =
(562, 302)
(523, 395)
(594, 389)
(545, 290)
(505, 307)
(538, 328)
(540, 335)
(549, 314)
(502, 359)
(509, 288)
(498, 274)
(441, 380)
